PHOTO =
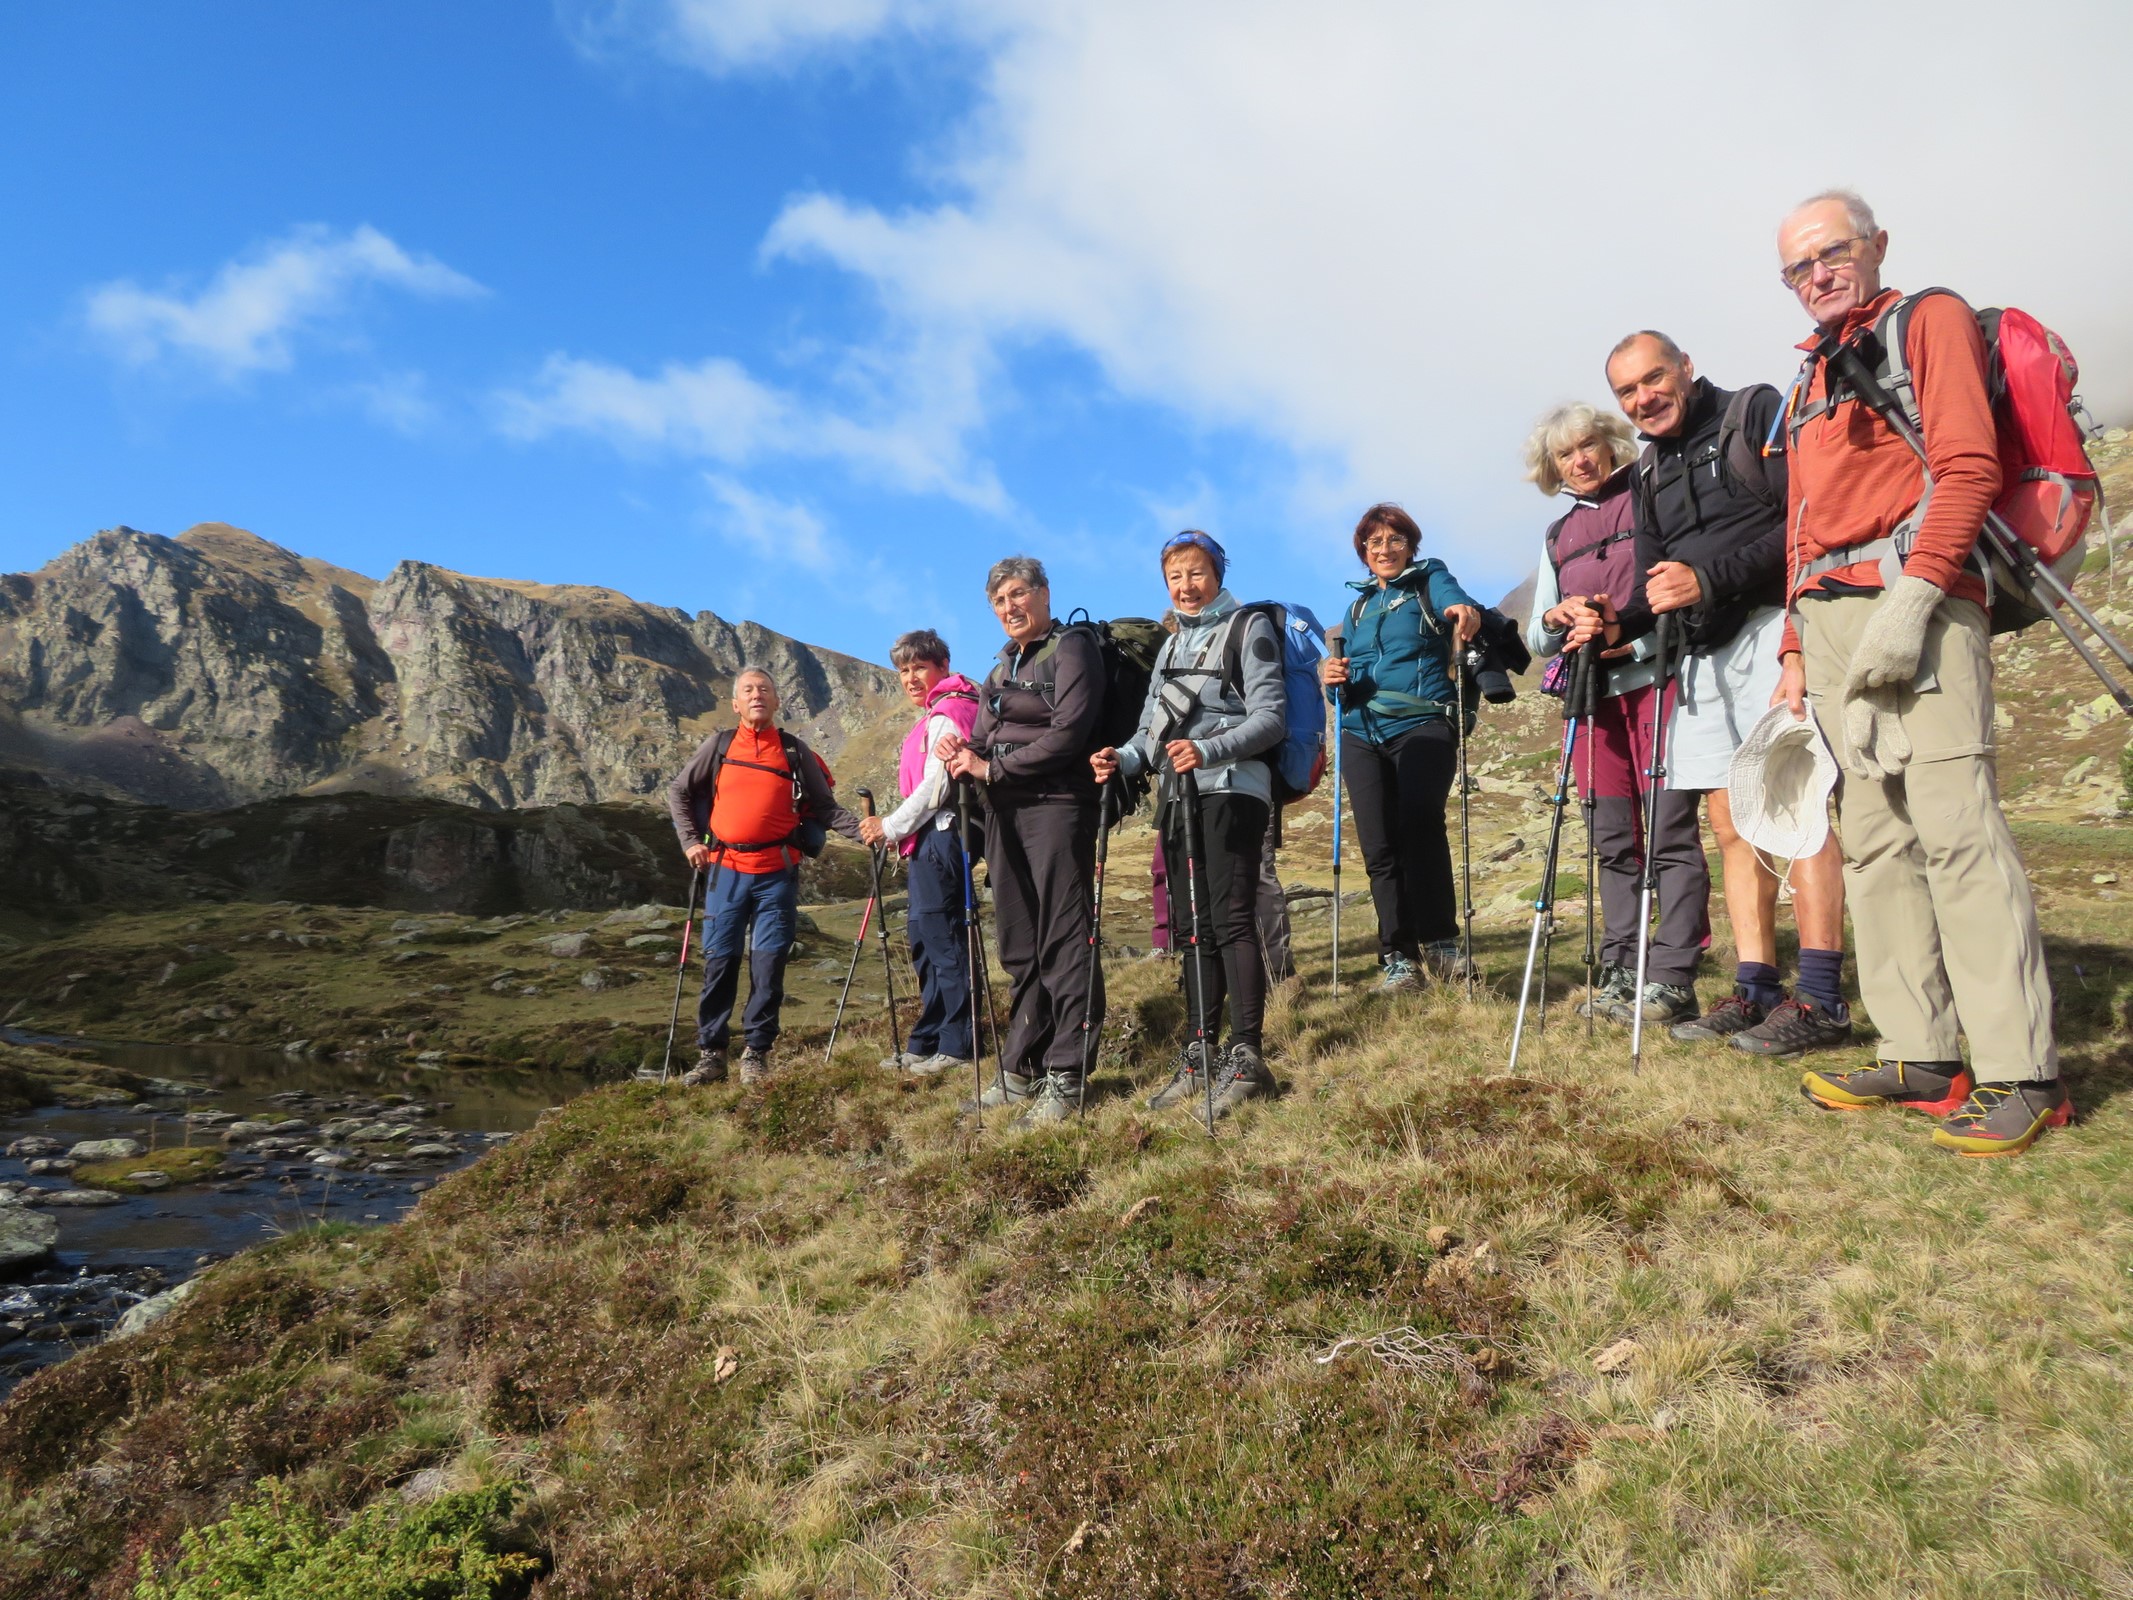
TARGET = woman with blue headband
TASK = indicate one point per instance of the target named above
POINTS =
(1399, 750)
(1215, 711)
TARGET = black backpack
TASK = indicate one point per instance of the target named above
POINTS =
(1127, 646)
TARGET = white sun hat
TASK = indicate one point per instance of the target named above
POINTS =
(1780, 785)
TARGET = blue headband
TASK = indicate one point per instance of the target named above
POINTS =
(1199, 541)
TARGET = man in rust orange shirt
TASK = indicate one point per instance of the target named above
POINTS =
(1888, 640)
(748, 807)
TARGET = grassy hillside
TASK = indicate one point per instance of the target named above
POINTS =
(1676, 1335)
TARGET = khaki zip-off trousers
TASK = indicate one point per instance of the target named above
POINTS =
(1945, 925)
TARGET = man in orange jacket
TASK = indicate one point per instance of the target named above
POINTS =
(742, 808)
(1889, 641)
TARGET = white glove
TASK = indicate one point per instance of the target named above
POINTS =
(1894, 636)
(1876, 745)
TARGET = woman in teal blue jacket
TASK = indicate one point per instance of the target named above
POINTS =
(1399, 750)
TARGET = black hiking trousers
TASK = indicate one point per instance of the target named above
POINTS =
(1040, 858)
(1397, 790)
(1230, 962)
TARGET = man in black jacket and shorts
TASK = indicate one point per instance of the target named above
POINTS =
(1710, 537)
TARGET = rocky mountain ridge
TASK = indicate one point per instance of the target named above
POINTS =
(217, 668)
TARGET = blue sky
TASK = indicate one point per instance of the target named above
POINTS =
(805, 310)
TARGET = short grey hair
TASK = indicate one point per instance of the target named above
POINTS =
(1563, 428)
(1672, 352)
(920, 644)
(1028, 568)
(1858, 215)
(764, 673)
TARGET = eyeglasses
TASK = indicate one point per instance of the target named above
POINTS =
(1386, 541)
(1832, 256)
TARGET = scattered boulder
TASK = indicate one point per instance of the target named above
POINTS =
(25, 1235)
(75, 1197)
(35, 1144)
(51, 1167)
(154, 1309)
(148, 1180)
(107, 1150)
(570, 946)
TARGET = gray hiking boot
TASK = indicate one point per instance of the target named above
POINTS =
(1610, 996)
(1735, 1013)
(1244, 1077)
(1006, 1088)
(934, 1065)
(1402, 975)
(1668, 1002)
(902, 1061)
(755, 1066)
(1447, 963)
(1185, 1083)
(710, 1068)
(1056, 1099)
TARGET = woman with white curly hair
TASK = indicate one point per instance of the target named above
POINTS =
(1589, 554)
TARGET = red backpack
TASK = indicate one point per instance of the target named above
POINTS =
(2048, 485)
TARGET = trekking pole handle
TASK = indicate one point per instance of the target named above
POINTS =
(866, 798)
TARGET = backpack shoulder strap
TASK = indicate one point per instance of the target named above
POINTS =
(1233, 640)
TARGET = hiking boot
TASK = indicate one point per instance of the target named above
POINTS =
(755, 1066)
(1006, 1088)
(1244, 1077)
(1447, 963)
(710, 1068)
(1668, 1002)
(934, 1065)
(1934, 1087)
(2004, 1119)
(1402, 976)
(1610, 993)
(1185, 1083)
(1057, 1099)
(1797, 1026)
(1728, 1017)
(902, 1061)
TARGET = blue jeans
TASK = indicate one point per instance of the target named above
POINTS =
(940, 949)
(760, 909)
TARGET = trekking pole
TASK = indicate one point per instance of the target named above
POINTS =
(2007, 547)
(1663, 634)
(1338, 647)
(888, 963)
(1089, 1039)
(1544, 902)
(971, 952)
(681, 969)
(1589, 710)
(1468, 658)
(858, 944)
(1189, 798)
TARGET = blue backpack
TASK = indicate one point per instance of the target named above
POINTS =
(1300, 759)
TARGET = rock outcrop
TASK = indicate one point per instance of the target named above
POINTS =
(215, 669)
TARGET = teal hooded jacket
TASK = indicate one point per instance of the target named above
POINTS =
(1397, 639)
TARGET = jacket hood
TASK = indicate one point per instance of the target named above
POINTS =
(1413, 578)
(953, 683)
(1208, 615)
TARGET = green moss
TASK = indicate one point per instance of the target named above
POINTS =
(275, 1547)
(184, 1164)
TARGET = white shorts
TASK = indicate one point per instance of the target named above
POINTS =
(1722, 696)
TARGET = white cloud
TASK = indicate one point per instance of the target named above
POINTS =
(246, 318)
(786, 534)
(725, 35)
(1388, 234)
(898, 415)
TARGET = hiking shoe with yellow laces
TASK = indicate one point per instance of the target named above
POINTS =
(1934, 1087)
(2004, 1119)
